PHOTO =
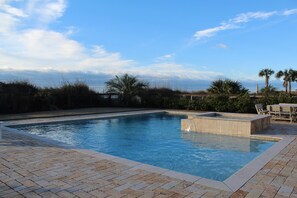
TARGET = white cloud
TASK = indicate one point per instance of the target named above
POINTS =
(212, 31)
(168, 70)
(28, 43)
(221, 46)
(45, 44)
(290, 12)
(165, 57)
(7, 23)
(247, 17)
(240, 19)
(46, 11)
(71, 30)
(44, 49)
(12, 10)
(103, 61)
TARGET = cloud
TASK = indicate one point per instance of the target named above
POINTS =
(29, 44)
(100, 60)
(240, 19)
(221, 46)
(169, 70)
(44, 44)
(290, 12)
(165, 57)
(46, 11)
(247, 17)
(44, 49)
(7, 22)
(12, 10)
(212, 31)
(97, 81)
(71, 30)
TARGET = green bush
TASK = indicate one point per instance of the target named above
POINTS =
(244, 104)
(161, 98)
(220, 103)
(17, 96)
(74, 95)
(21, 96)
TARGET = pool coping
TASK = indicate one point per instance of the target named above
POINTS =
(231, 184)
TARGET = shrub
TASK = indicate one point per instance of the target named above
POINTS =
(244, 104)
(17, 96)
(21, 96)
(220, 103)
(74, 95)
(161, 98)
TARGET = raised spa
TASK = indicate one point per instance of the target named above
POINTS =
(226, 123)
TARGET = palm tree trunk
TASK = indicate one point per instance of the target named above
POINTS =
(267, 82)
(290, 87)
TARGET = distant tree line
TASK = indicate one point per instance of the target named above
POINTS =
(288, 76)
(222, 95)
(219, 96)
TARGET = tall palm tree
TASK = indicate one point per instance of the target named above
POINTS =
(285, 75)
(266, 73)
(292, 77)
(126, 86)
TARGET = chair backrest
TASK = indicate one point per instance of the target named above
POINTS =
(286, 109)
(259, 108)
(275, 108)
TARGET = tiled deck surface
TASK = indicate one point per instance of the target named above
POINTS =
(70, 112)
(31, 168)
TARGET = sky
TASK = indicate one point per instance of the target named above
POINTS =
(182, 45)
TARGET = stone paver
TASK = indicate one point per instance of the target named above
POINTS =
(32, 168)
(278, 178)
(71, 112)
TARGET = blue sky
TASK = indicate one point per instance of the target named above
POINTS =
(167, 42)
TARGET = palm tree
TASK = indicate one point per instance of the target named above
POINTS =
(292, 77)
(266, 73)
(226, 87)
(234, 87)
(270, 89)
(217, 87)
(126, 86)
(285, 75)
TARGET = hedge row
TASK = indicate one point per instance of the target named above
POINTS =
(243, 103)
(17, 97)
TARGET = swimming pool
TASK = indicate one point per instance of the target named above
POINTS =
(156, 139)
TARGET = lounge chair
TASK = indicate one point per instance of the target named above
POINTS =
(260, 110)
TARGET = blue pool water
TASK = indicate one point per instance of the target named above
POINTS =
(156, 139)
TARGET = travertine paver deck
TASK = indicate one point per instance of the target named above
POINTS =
(70, 112)
(31, 168)
(278, 178)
